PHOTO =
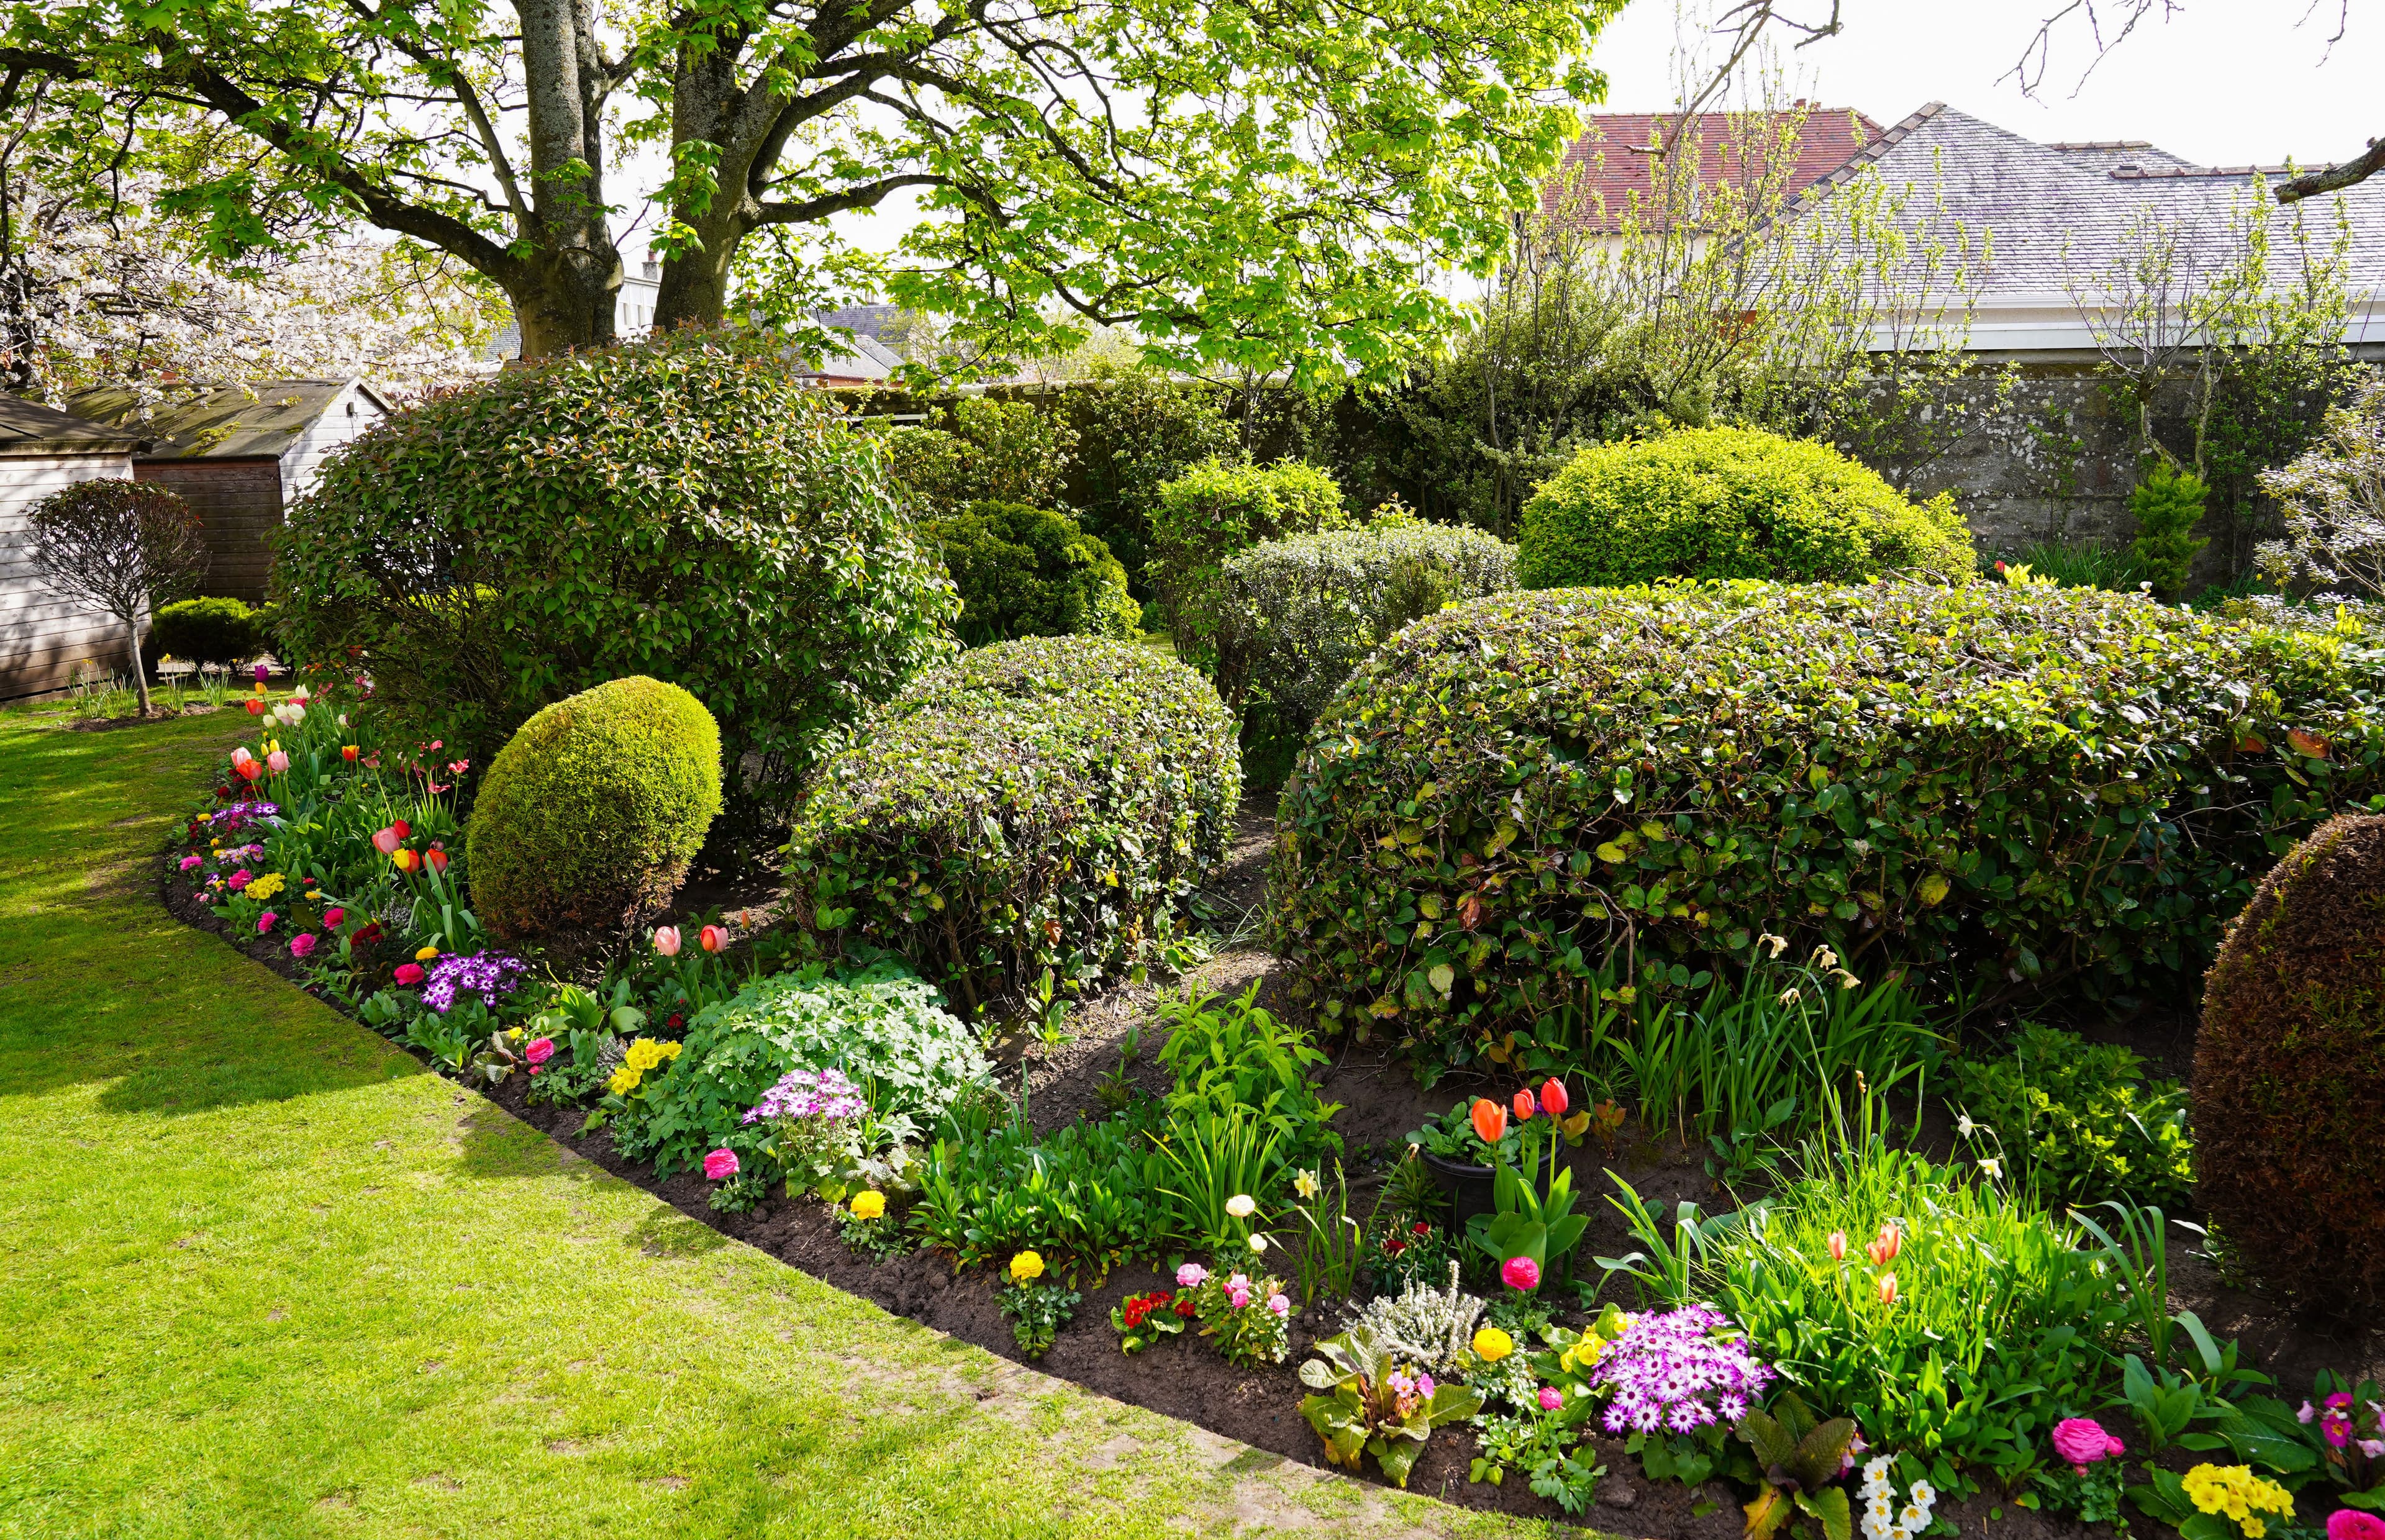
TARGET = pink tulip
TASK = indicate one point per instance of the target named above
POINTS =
(1520, 1273)
(540, 1051)
(721, 1165)
(1550, 1399)
(667, 941)
(276, 762)
(712, 937)
(386, 841)
(302, 943)
(332, 918)
(1838, 1246)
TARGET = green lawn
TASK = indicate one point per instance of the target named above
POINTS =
(261, 1274)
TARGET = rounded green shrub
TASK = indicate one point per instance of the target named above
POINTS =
(1215, 509)
(1729, 503)
(590, 815)
(1029, 572)
(2028, 786)
(2290, 1073)
(207, 630)
(685, 509)
(1042, 803)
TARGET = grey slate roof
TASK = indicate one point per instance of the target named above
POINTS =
(30, 428)
(2058, 216)
(225, 423)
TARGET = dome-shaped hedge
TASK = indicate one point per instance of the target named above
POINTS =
(2290, 1074)
(2024, 784)
(1031, 572)
(590, 815)
(1729, 503)
(1036, 804)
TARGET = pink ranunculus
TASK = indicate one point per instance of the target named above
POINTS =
(1520, 1273)
(265, 921)
(2084, 1442)
(2350, 1523)
(302, 943)
(1192, 1275)
(1550, 1399)
(332, 918)
(276, 762)
(386, 841)
(189, 861)
(667, 941)
(240, 879)
(540, 1051)
(1239, 1298)
(721, 1165)
(409, 974)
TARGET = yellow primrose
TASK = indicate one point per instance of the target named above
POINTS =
(869, 1204)
(1025, 1267)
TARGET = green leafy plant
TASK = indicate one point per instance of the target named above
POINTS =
(1508, 789)
(1214, 510)
(2167, 504)
(1332, 1243)
(2078, 1120)
(1367, 1404)
(1228, 1053)
(205, 630)
(1728, 502)
(1029, 572)
(1218, 1161)
(1801, 1456)
(2079, 565)
(990, 1187)
(979, 449)
(1033, 806)
(1530, 1222)
(1037, 1311)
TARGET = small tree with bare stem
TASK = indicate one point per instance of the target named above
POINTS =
(122, 546)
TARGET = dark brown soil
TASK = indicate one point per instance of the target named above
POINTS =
(1181, 1378)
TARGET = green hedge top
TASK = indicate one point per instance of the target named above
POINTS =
(1031, 572)
(1036, 804)
(2033, 782)
(1730, 503)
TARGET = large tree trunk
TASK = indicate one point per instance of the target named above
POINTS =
(567, 299)
(705, 103)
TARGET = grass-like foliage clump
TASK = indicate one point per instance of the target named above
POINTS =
(2023, 785)
(1039, 804)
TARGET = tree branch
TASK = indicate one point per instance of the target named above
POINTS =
(2310, 184)
(868, 195)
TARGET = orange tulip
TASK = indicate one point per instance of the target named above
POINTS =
(437, 858)
(1490, 1120)
(1888, 1289)
(1553, 1100)
(348, 753)
(1524, 1108)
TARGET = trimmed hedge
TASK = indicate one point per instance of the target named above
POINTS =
(591, 812)
(1029, 572)
(207, 630)
(1297, 615)
(1215, 509)
(685, 509)
(2290, 1072)
(2031, 784)
(1730, 503)
(1037, 803)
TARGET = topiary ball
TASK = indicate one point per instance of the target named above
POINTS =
(2290, 1074)
(591, 814)
(1729, 503)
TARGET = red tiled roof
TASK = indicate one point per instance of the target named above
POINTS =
(1612, 160)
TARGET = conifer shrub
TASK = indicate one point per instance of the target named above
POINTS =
(2290, 1074)
(2024, 788)
(2167, 504)
(1049, 802)
(1729, 503)
(207, 630)
(591, 814)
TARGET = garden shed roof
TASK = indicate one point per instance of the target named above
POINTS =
(260, 422)
(30, 428)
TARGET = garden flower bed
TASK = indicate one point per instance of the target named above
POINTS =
(339, 863)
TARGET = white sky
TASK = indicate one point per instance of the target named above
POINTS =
(2222, 83)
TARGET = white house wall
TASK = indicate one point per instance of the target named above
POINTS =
(350, 413)
(43, 637)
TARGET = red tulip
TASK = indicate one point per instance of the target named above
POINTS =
(712, 937)
(348, 753)
(1553, 1099)
(437, 858)
(1524, 1108)
(402, 832)
(1490, 1120)
(256, 706)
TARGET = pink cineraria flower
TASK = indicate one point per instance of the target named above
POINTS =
(1192, 1275)
(302, 943)
(721, 1165)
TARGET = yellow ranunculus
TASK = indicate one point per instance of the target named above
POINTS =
(869, 1204)
(1025, 1267)
(1490, 1344)
(426, 954)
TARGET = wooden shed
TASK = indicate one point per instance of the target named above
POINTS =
(43, 636)
(240, 457)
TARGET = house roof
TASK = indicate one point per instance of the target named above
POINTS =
(1615, 161)
(30, 428)
(230, 423)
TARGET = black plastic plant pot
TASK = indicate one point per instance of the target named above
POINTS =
(1468, 1187)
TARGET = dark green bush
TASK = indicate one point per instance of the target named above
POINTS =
(207, 630)
(1029, 572)
(1142, 428)
(1215, 510)
(1729, 503)
(684, 509)
(980, 450)
(2026, 785)
(590, 815)
(1037, 803)
(2290, 1073)
(2077, 1120)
